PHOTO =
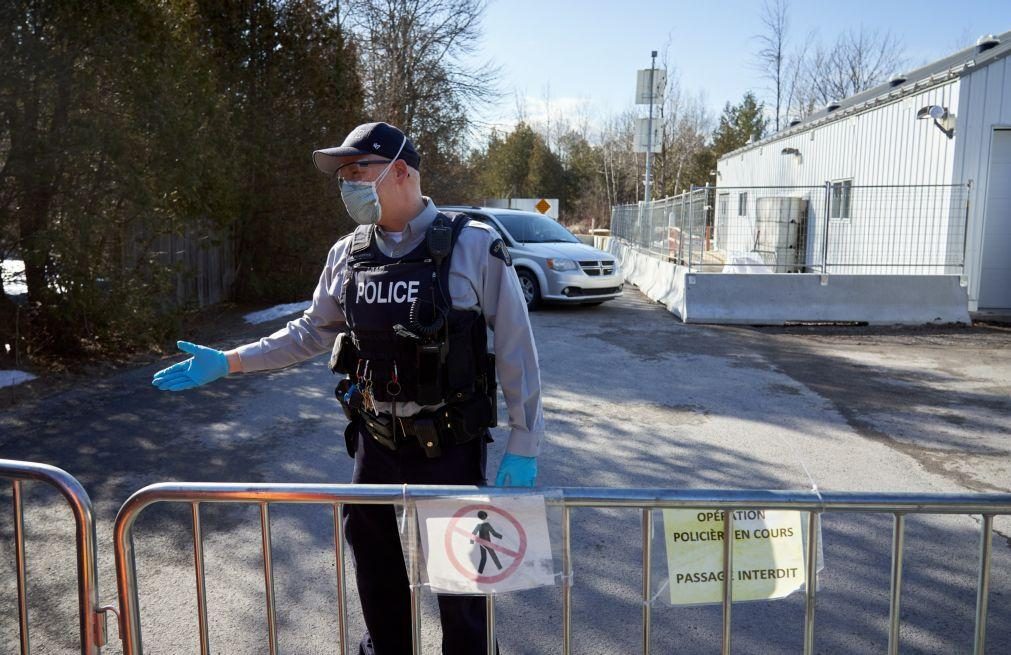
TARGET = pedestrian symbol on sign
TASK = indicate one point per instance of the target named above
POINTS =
(483, 534)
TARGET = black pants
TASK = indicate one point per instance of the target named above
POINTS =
(374, 537)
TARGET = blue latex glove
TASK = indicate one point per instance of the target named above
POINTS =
(206, 365)
(516, 471)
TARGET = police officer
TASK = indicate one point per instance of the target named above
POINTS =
(403, 303)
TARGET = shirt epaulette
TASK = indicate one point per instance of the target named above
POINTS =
(362, 239)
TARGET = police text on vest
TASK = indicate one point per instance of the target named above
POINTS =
(387, 292)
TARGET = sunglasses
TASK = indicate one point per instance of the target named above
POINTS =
(357, 167)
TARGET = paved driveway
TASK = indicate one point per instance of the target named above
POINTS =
(633, 398)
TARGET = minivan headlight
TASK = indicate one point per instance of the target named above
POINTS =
(562, 265)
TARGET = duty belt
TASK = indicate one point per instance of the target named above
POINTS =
(430, 430)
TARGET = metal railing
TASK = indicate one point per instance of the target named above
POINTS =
(898, 504)
(831, 228)
(92, 617)
(92, 622)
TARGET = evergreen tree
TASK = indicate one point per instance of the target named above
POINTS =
(123, 124)
(289, 76)
(739, 125)
(520, 165)
(104, 113)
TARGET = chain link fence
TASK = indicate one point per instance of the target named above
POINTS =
(832, 228)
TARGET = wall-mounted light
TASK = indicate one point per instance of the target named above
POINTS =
(944, 120)
(794, 152)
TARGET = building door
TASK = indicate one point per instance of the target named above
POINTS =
(723, 221)
(995, 272)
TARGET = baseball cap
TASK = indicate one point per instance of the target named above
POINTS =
(369, 138)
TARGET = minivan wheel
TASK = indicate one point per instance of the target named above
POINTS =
(531, 288)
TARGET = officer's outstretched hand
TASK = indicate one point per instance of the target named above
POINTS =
(516, 471)
(206, 365)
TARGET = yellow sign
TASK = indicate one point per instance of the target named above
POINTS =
(543, 206)
(768, 555)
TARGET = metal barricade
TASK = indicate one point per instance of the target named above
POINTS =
(92, 617)
(899, 505)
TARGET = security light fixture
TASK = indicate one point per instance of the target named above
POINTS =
(986, 42)
(790, 151)
(944, 120)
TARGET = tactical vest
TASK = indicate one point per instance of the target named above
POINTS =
(409, 342)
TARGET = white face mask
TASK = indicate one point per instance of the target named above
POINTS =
(362, 198)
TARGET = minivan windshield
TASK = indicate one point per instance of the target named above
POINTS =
(534, 228)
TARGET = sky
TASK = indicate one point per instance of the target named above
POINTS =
(582, 56)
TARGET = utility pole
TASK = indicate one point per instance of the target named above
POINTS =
(649, 131)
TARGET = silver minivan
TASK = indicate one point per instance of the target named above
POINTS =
(552, 264)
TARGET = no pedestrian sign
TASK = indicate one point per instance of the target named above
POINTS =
(479, 545)
(768, 555)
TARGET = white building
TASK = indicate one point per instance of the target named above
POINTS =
(947, 123)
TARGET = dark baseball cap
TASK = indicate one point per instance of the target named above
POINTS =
(369, 138)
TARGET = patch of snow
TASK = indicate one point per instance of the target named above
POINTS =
(745, 262)
(277, 311)
(13, 272)
(10, 378)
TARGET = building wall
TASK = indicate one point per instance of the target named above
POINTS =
(889, 230)
(885, 145)
(985, 103)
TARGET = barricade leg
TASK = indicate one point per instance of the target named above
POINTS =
(198, 565)
(19, 560)
(566, 582)
(489, 625)
(342, 593)
(647, 577)
(898, 541)
(268, 577)
(811, 586)
(983, 586)
(728, 576)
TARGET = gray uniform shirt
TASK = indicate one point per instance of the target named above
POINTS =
(477, 282)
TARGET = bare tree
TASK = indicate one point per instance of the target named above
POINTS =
(772, 54)
(856, 62)
(685, 126)
(793, 86)
(964, 40)
(522, 112)
(417, 71)
(690, 134)
(779, 63)
(621, 167)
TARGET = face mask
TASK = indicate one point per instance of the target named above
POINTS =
(362, 198)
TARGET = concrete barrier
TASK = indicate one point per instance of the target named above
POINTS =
(775, 299)
(660, 280)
